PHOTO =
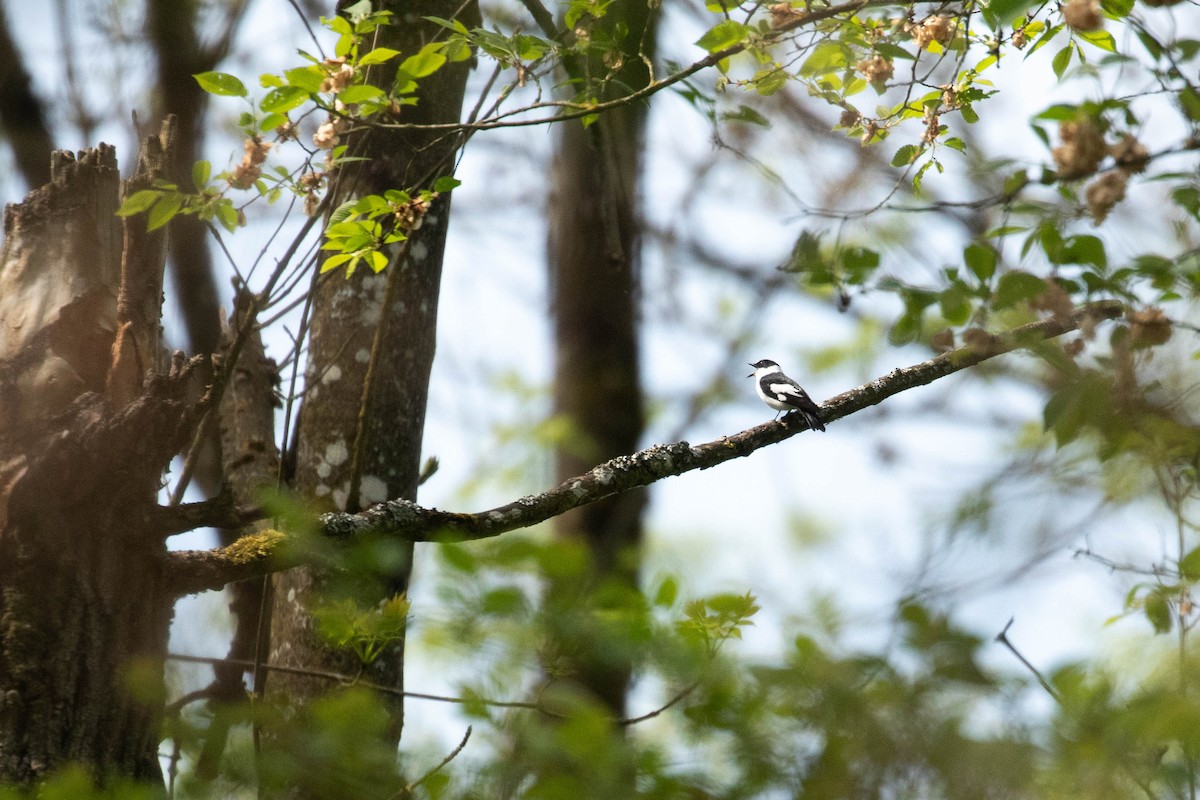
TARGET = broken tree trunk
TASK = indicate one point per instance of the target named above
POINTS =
(88, 423)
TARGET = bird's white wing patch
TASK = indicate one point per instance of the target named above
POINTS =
(784, 389)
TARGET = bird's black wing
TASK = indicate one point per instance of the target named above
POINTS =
(786, 390)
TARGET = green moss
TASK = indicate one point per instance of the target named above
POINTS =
(254, 546)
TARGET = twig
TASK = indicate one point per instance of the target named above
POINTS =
(349, 680)
(679, 697)
(408, 790)
(1002, 638)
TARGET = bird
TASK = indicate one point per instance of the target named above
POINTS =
(783, 394)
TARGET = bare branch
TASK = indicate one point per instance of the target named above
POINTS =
(199, 570)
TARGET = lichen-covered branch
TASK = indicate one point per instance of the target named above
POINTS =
(414, 523)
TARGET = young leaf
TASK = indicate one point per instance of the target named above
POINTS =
(283, 99)
(724, 34)
(378, 56)
(980, 260)
(138, 202)
(201, 172)
(163, 211)
(221, 83)
(426, 62)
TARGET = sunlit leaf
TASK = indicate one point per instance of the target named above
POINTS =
(221, 83)
(723, 35)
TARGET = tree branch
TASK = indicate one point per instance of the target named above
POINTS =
(200, 570)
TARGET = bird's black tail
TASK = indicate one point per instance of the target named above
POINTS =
(813, 418)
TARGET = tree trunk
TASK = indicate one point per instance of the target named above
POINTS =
(344, 357)
(87, 427)
(593, 250)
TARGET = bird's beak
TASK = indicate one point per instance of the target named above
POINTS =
(751, 375)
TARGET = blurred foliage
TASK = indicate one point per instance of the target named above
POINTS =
(818, 718)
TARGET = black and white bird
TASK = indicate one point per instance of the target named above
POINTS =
(783, 394)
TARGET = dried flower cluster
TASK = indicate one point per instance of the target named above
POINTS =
(1130, 154)
(1020, 39)
(1053, 299)
(410, 215)
(1104, 193)
(876, 69)
(327, 136)
(870, 128)
(249, 169)
(782, 14)
(310, 184)
(934, 29)
(1149, 327)
(1082, 148)
(338, 75)
(933, 125)
(1083, 15)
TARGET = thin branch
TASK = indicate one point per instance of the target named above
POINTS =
(678, 698)
(210, 569)
(408, 790)
(1002, 638)
(350, 680)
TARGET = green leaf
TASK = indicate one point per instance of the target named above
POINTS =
(138, 202)
(1003, 12)
(379, 261)
(893, 51)
(362, 93)
(1189, 101)
(283, 99)
(1102, 39)
(446, 183)
(955, 303)
(426, 62)
(358, 11)
(667, 592)
(378, 56)
(201, 172)
(1084, 249)
(906, 155)
(334, 261)
(1062, 59)
(1189, 565)
(1158, 611)
(221, 83)
(826, 57)
(980, 260)
(307, 78)
(1016, 286)
(723, 35)
(164, 210)
(1059, 112)
(452, 25)
(228, 216)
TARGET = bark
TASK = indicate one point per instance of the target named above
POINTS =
(594, 255)
(87, 427)
(359, 447)
(251, 466)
